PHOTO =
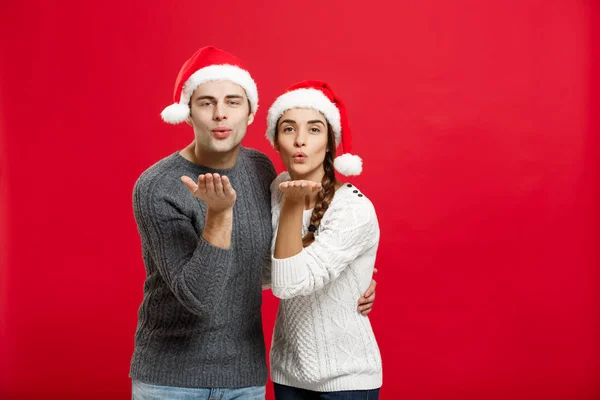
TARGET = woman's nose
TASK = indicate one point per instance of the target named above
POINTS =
(300, 140)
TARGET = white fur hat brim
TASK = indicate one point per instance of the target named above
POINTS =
(179, 112)
(304, 98)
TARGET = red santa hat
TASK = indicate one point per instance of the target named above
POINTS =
(318, 95)
(207, 64)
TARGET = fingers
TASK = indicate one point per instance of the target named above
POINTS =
(366, 310)
(365, 305)
(308, 185)
(227, 188)
(371, 289)
(214, 190)
(374, 270)
(367, 300)
(210, 184)
(201, 185)
(218, 183)
(222, 185)
(298, 188)
(189, 183)
(206, 183)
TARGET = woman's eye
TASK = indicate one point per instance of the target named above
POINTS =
(288, 129)
(315, 130)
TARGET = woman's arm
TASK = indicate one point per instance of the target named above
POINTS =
(289, 233)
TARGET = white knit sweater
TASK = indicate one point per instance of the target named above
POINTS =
(321, 342)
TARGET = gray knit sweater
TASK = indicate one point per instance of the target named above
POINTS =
(199, 324)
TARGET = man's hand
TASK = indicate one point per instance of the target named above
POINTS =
(215, 190)
(365, 303)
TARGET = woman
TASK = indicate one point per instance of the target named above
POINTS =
(325, 241)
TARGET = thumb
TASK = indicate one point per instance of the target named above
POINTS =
(189, 183)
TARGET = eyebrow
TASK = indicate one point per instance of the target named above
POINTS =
(229, 96)
(206, 98)
(312, 121)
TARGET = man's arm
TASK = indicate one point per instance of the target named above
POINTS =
(266, 273)
(195, 268)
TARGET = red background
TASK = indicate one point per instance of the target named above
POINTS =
(478, 124)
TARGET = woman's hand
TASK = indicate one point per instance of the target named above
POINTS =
(298, 190)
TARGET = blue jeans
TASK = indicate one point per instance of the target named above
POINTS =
(283, 392)
(145, 391)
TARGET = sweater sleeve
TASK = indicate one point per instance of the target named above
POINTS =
(194, 270)
(266, 273)
(346, 232)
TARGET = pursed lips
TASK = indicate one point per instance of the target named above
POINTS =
(299, 156)
(221, 132)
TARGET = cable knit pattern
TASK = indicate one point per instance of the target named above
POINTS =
(321, 342)
(199, 324)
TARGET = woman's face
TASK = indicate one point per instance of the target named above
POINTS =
(302, 143)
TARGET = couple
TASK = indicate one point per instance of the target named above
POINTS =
(232, 226)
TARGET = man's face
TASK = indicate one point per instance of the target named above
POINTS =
(220, 115)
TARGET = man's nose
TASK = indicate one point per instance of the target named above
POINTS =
(219, 113)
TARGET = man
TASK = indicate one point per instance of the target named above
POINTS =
(199, 331)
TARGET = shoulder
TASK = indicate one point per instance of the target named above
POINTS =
(259, 162)
(259, 159)
(152, 174)
(282, 177)
(351, 204)
(276, 195)
(161, 180)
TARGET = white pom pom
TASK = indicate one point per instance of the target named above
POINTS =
(348, 164)
(175, 113)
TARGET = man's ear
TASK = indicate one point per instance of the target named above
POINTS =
(250, 118)
(188, 120)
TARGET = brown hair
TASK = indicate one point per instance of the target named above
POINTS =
(325, 196)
